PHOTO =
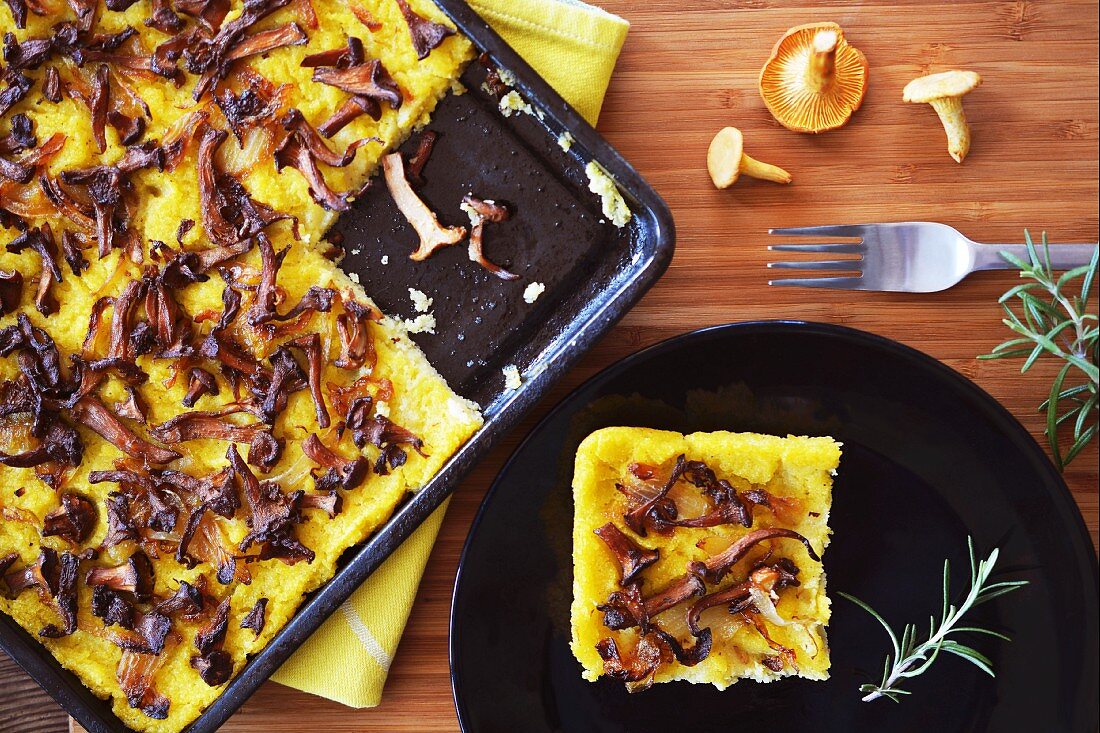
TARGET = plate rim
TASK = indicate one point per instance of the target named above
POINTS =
(1062, 497)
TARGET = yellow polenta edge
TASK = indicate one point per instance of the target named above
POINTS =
(792, 467)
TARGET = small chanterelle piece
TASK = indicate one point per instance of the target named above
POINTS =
(814, 80)
(944, 91)
(726, 161)
(698, 557)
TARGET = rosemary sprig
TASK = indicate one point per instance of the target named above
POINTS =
(1053, 320)
(910, 659)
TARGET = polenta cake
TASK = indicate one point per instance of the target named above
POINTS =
(199, 412)
(697, 557)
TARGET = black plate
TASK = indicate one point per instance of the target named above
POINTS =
(593, 274)
(928, 458)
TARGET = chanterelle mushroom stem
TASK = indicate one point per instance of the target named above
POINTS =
(726, 161)
(822, 68)
(944, 91)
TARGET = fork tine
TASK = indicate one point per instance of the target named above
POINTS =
(843, 230)
(839, 249)
(832, 283)
(835, 265)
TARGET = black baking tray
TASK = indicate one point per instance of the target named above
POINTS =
(593, 273)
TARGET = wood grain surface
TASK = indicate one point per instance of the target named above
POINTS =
(690, 68)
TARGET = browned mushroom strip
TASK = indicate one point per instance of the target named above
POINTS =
(426, 35)
(432, 234)
(485, 211)
(269, 40)
(631, 557)
(197, 425)
(716, 566)
(74, 520)
(636, 518)
(369, 80)
(93, 414)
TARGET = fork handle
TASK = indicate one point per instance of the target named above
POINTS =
(1062, 256)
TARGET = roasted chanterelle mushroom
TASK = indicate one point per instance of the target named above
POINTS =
(726, 161)
(944, 91)
(813, 81)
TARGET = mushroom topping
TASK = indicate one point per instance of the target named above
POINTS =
(214, 668)
(74, 520)
(631, 557)
(481, 211)
(135, 675)
(11, 290)
(71, 250)
(93, 414)
(256, 617)
(27, 55)
(153, 628)
(286, 378)
(20, 138)
(637, 669)
(330, 503)
(112, 608)
(814, 80)
(212, 635)
(213, 201)
(432, 234)
(370, 80)
(42, 575)
(624, 609)
(272, 515)
(424, 147)
(18, 85)
(209, 13)
(268, 40)
(342, 472)
(19, 12)
(51, 86)
(653, 507)
(132, 407)
(727, 161)
(311, 347)
(61, 444)
(64, 598)
(944, 91)
(210, 58)
(728, 506)
(356, 345)
(120, 525)
(246, 110)
(41, 240)
(100, 103)
(426, 35)
(199, 382)
(162, 18)
(716, 566)
(135, 576)
(198, 425)
(387, 435)
(187, 601)
(265, 450)
(303, 148)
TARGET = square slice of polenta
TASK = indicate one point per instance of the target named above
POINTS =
(697, 557)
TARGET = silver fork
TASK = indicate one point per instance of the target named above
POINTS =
(906, 257)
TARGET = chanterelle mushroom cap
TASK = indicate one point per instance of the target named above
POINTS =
(814, 80)
(726, 161)
(924, 89)
(944, 91)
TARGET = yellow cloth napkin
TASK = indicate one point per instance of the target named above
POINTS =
(574, 46)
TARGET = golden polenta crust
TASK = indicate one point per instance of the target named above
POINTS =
(421, 402)
(794, 467)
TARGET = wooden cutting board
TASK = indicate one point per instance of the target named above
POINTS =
(690, 68)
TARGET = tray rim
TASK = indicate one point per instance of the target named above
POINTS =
(657, 238)
(1063, 499)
